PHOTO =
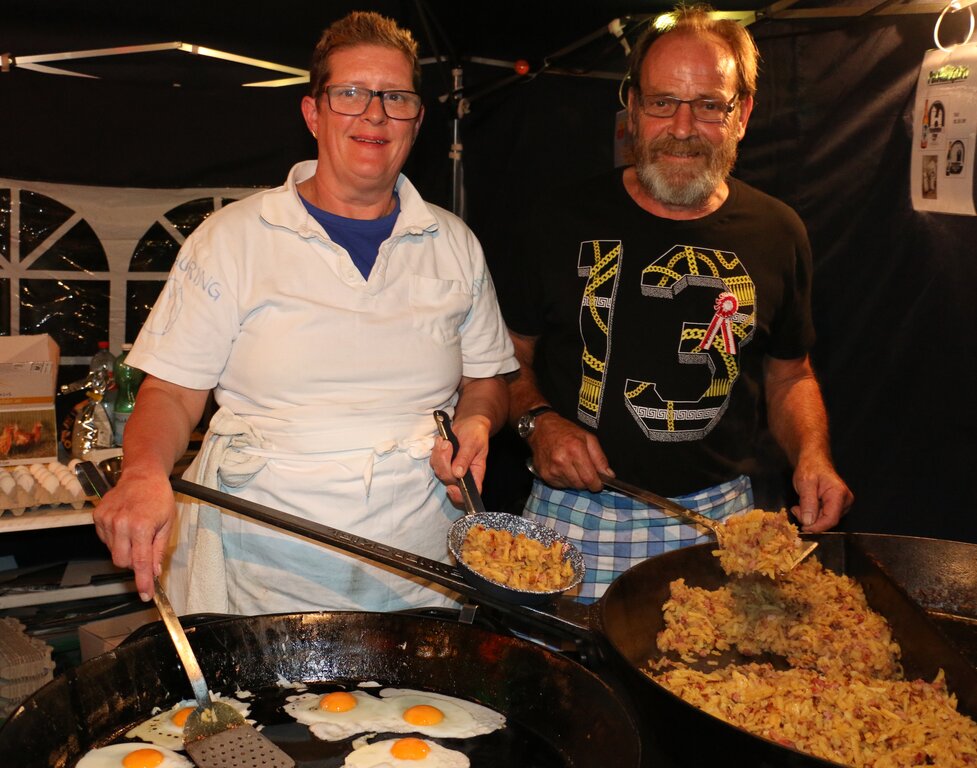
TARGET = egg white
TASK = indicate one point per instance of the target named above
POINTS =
(112, 756)
(160, 729)
(369, 714)
(462, 719)
(377, 755)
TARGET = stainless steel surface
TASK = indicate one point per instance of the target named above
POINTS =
(215, 735)
(111, 468)
(91, 479)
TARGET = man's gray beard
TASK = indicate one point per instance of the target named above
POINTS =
(680, 189)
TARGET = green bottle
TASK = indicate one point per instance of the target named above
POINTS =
(127, 381)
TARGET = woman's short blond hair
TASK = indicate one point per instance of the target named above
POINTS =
(360, 28)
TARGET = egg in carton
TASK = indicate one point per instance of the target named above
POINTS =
(13, 496)
(69, 489)
(47, 488)
(26, 481)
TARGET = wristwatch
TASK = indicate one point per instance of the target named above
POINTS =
(527, 422)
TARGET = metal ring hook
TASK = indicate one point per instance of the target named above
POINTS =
(953, 5)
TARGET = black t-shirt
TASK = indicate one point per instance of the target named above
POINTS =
(652, 332)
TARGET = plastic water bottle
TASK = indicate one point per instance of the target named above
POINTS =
(103, 360)
(102, 366)
(127, 381)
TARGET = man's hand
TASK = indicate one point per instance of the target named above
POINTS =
(565, 455)
(824, 496)
(799, 422)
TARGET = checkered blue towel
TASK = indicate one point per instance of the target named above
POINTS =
(615, 532)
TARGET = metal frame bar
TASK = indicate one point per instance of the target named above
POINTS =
(781, 11)
(36, 62)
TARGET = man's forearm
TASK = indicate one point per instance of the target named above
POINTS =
(523, 390)
(796, 413)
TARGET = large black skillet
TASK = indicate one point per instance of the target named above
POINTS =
(926, 589)
(562, 714)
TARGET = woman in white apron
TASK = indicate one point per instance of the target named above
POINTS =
(330, 316)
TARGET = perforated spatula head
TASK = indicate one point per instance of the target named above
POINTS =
(234, 746)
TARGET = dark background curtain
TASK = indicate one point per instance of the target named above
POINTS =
(895, 290)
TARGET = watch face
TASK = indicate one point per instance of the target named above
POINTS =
(525, 426)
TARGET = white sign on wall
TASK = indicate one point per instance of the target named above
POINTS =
(944, 131)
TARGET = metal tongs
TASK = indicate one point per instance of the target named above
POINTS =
(469, 491)
(215, 735)
(716, 528)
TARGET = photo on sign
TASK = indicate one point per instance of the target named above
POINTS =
(929, 177)
(956, 158)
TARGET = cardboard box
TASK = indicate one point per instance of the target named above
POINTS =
(101, 636)
(28, 378)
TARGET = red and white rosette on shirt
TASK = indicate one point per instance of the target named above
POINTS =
(725, 306)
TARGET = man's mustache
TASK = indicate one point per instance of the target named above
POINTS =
(672, 146)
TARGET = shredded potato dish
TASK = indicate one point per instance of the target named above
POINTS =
(517, 561)
(844, 697)
(758, 542)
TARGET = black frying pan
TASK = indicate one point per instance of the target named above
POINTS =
(559, 714)
(631, 617)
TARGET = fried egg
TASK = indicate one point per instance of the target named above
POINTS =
(341, 714)
(133, 755)
(166, 728)
(440, 716)
(405, 753)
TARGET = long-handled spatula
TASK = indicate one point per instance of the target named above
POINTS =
(215, 735)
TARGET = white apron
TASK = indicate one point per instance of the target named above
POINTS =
(243, 567)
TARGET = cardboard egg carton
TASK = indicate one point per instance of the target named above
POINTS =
(29, 486)
(25, 664)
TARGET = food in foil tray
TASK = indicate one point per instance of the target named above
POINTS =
(517, 562)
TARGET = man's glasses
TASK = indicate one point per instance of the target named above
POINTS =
(353, 100)
(703, 110)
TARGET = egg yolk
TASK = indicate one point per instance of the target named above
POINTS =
(337, 701)
(409, 749)
(179, 718)
(142, 758)
(423, 714)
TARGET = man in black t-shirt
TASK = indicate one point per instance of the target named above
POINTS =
(659, 312)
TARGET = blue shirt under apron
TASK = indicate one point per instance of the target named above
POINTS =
(360, 237)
